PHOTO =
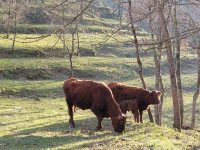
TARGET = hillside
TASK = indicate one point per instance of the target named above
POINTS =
(33, 112)
(43, 125)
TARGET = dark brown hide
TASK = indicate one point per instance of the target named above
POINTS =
(144, 97)
(96, 96)
(130, 105)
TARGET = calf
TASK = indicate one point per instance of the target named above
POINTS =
(96, 96)
(130, 105)
(144, 97)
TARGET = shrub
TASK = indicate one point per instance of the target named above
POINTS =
(36, 15)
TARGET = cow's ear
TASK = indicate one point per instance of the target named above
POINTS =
(155, 92)
(159, 93)
(151, 93)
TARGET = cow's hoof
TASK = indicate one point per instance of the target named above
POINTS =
(98, 128)
(71, 126)
(116, 133)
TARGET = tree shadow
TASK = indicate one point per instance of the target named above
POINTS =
(58, 134)
(26, 120)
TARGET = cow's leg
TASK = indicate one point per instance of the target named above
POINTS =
(133, 112)
(99, 126)
(141, 112)
(136, 116)
(99, 117)
(71, 120)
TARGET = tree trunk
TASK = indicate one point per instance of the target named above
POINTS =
(78, 41)
(158, 80)
(8, 21)
(158, 84)
(81, 8)
(73, 31)
(178, 66)
(161, 86)
(196, 94)
(71, 65)
(166, 39)
(15, 27)
(120, 13)
(138, 54)
(64, 40)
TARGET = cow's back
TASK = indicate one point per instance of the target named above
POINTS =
(85, 93)
(123, 92)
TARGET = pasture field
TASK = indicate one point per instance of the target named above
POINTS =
(33, 112)
(43, 124)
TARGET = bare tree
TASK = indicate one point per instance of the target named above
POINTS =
(133, 30)
(167, 40)
(196, 94)
(196, 45)
(70, 50)
(157, 59)
(178, 62)
(158, 84)
(15, 25)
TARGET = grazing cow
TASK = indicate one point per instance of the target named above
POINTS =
(144, 97)
(130, 105)
(96, 96)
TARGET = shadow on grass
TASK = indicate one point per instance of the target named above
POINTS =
(167, 115)
(27, 120)
(59, 134)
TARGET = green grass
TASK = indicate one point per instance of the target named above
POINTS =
(33, 113)
(30, 124)
(37, 77)
(50, 47)
(46, 28)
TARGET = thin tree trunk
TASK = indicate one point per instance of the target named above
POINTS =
(71, 65)
(166, 38)
(120, 13)
(178, 66)
(196, 94)
(136, 45)
(81, 8)
(64, 38)
(72, 50)
(158, 80)
(158, 83)
(8, 21)
(138, 55)
(15, 27)
(156, 107)
(78, 41)
(161, 86)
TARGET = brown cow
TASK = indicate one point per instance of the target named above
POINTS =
(144, 97)
(96, 96)
(130, 105)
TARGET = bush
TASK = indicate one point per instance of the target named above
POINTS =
(36, 15)
(86, 52)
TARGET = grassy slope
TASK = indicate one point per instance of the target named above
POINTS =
(43, 124)
(37, 81)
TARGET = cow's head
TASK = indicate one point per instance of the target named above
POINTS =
(118, 123)
(153, 97)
